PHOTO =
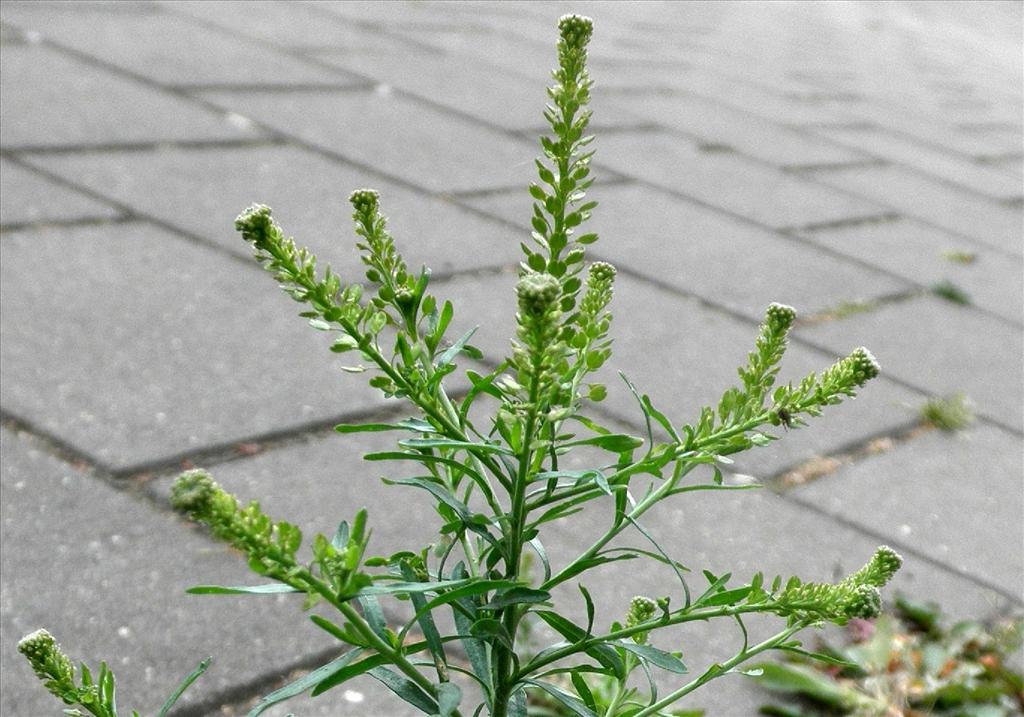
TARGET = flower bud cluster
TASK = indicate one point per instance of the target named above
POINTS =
(255, 224)
(863, 365)
(880, 569)
(50, 664)
(270, 546)
(538, 351)
(575, 30)
(600, 278)
(857, 596)
(641, 609)
(365, 201)
(780, 317)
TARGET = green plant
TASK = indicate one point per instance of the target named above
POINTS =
(906, 664)
(498, 484)
(950, 413)
(99, 696)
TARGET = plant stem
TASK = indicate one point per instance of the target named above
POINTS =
(719, 670)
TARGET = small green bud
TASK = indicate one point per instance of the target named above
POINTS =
(576, 30)
(865, 366)
(538, 293)
(254, 222)
(780, 316)
(641, 609)
(193, 491)
(601, 273)
(865, 602)
(365, 201)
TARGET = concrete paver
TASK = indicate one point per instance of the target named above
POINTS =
(728, 181)
(109, 109)
(979, 178)
(109, 583)
(670, 246)
(927, 255)
(905, 494)
(393, 134)
(202, 191)
(714, 124)
(148, 350)
(168, 48)
(29, 197)
(942, 348)
(923, 198)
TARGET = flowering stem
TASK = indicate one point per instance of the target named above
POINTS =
(718, 670)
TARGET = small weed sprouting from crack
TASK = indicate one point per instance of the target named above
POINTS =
(948, 413)
(949, 291)
(959, 257)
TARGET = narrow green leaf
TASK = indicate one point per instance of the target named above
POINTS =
(659, 658)
(302, 684)
(409, 424)
(406, 689)
(517, 596)
(448, 698)
(449, 355)
(613, 442)
(449, 443)
(185, 684)
(269, 589)
(574, 705)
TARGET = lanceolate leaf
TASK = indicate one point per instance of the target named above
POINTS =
(269, 589)
(406, 689)
(303, 683)
(564, 698)
(659, 658)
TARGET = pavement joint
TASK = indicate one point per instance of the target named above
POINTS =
(1012, 600)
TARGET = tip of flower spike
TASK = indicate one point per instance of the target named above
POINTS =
(576, 30)
(37, 643)
(253, 222)
(537, 292)
(883, 565)
(365, 201)
(602, 271)
(192, 491)
(865, 365)
(780, 315)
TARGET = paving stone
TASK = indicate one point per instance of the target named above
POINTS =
(202, 191)
(169, 48)
(41, 84)
(917, 196)
(109, 580)
(29, 198)
(727, 181)
(952, 496)
(708, 253)
(920, 253)
(712, 123)
(942, 348)
(398, 136)
(134, 346)
(360, 697)
(959, 171)
(684, 355)
(285, 23)
(479, 89)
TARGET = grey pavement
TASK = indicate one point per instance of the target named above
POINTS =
(845, 158)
